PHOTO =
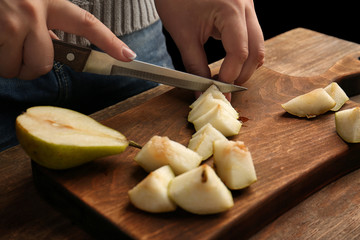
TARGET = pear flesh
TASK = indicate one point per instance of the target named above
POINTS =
(212, 107)
(310, 104)
(347, 124)
(59, 138)
(208, 102)
(338, 94)
(200, 191)
(220, 119)
(234, 164)
(214, 92)
(160, 151)
(202, 141)
(151, 194)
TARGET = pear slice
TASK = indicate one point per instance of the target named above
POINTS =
(160, 151)
(151, 194)
(338, 94)
(212, 90)
(202, 141)
(59, 138)
(220, 119)
(310, 104)
(234, 164)
(200, 191)
(347, 124)
(208, 102)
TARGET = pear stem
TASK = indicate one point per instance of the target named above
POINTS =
(134, 144)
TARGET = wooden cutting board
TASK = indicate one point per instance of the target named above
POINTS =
(293, 158)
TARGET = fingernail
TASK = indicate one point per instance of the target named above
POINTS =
(127, 52)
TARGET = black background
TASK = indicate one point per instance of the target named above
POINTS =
(339, 18)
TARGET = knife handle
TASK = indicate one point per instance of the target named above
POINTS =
(71, 55)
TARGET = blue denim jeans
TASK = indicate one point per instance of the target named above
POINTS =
(82, 92)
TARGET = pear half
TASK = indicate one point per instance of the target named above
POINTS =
(200, 191)
(310, 104)
(160, 151)
(234, 164)
(60, 138)
(151, 194)
(348, 124)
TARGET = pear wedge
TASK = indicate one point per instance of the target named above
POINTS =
(234, 164)
(151, 194)
(200, 191)
(208, 102)
(347, 124)
(212, 90)
(220, 119)
(160, 151)
(338, 94)
(310, 104)
(202, 141)
(59, 138)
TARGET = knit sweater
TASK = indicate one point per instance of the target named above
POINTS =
(120, 16)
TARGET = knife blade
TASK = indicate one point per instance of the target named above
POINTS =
(92, 61)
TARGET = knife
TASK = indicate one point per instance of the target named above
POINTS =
(87, 60)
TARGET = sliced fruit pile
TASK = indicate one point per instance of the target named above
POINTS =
(330, 98)
(212, 107)
(196, 188)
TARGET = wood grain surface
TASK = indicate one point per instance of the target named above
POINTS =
(328, 214)
(293, 158)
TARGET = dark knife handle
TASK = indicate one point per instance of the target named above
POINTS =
(71, 55)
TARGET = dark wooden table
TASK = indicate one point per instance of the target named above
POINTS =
(331, 213)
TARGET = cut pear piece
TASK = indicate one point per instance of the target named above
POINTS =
(234, 164)
(348, 124)
(310, 104)
(59, 138)
(209, 102)
(200, 191)
(151, 194)
(160, 151)
(212, 90)
(338, 94)
(202, 141)
(220, 119)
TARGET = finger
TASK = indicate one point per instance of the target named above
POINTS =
(38, 54)
(256, 48)
(53, 35)
(194, 58)
(235, 41)
(66, 16)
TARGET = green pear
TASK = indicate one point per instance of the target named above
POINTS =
(59, 138)
(151, 194)
(310, 104)
(347, 124)
(234, 164)
(338, 94)
(200, 191)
